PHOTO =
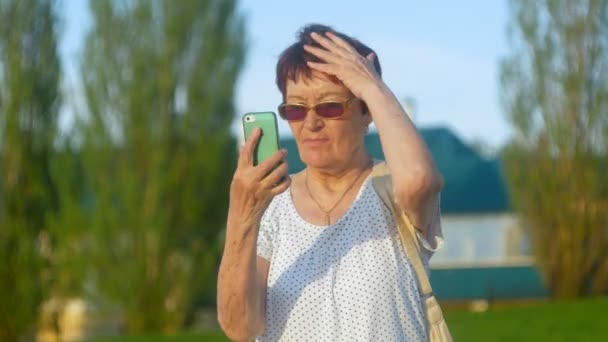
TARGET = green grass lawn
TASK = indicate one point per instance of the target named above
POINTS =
(585, 320)
(185, 337)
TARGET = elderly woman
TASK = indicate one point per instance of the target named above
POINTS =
(316, 256)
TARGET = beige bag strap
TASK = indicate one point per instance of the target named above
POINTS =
(383, 185)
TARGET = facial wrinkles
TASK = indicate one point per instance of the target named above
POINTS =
(317, 97)
(339, 132)
(314, 90)
(311, 92)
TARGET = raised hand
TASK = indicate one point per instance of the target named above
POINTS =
(253, 187)
(345, 63)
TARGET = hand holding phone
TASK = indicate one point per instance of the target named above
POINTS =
(262, 172)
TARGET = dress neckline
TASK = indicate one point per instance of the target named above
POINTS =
(348, 211)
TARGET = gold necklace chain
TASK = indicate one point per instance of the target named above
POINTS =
(328, 212)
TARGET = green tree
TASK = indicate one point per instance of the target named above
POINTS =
(556, 96)
(159, 78)
(29, 102)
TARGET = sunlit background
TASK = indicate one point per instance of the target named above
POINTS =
(120, 121)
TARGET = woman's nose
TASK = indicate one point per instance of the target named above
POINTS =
(312, 121)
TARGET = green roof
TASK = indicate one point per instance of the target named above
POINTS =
(473, 184)
(499, 282)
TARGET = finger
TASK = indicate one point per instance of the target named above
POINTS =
(341, 42)
(246, 157)
(371, 57)
(243, 158)
(284, 185)
(329, 45)
(267, 165)
(276, 175)
(322, 54)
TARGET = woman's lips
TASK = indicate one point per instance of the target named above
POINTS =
(315, 142)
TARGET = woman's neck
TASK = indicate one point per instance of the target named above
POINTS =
(335, 179)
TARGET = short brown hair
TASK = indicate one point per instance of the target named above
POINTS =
(292, 61)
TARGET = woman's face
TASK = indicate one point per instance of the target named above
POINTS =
(322, 142)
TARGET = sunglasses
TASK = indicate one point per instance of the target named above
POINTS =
(328, 110)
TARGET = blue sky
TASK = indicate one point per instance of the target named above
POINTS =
(443, 54)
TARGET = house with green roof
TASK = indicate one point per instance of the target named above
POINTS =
(486, 254)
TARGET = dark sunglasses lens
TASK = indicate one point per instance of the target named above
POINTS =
(330, 109)
(293, 112)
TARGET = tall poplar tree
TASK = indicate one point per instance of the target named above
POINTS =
(159, 78)
(29, 104)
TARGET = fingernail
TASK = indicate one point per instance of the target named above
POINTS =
(284, 151)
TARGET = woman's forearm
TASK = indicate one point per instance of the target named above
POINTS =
(240, 310)
(415, 176)
(403, 147)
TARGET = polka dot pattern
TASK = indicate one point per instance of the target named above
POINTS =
(350, 281)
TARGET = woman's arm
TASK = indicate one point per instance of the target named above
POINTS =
(416, 180)
(241, 292)
(241, 286)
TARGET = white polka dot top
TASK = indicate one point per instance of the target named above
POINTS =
(350, 281)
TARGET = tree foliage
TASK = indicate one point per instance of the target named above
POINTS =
(159, 79)
(29, 103)
(556, 97)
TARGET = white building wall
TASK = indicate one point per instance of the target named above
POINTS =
(481, 239)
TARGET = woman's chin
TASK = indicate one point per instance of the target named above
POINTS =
(317, 160)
